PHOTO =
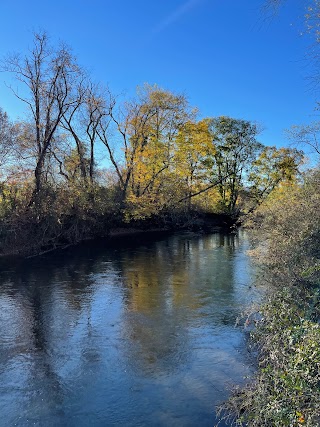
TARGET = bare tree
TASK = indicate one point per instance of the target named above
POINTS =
(48, 74)
(87, 121)
(307, 137)
(97, 107)
(72, 124)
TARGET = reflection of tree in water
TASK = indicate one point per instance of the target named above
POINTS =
(149, 326)
(165, 285)
(46, 297)
(40, 382)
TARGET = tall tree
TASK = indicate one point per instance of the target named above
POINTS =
(49, 75)
(147, 126)
(236, 147)
(83, 120)
(194, 149)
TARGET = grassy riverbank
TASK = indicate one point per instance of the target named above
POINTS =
(286, 389)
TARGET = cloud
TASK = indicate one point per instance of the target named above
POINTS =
(176, 15)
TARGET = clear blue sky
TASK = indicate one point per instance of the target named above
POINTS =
(226, 56)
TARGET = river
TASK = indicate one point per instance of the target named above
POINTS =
(133, 332)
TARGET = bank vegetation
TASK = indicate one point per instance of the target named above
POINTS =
(286, 329)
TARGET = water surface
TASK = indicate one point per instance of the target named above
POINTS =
(135, 333)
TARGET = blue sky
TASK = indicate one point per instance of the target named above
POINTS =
(227, 56)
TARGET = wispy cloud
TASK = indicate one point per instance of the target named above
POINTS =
(176, 15)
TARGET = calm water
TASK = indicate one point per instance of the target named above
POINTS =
(133, 334)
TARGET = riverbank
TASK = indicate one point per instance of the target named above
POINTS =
(26, 243)
(286, 337)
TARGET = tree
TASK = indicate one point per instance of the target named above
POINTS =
(236, 148)
(155, 147)
(194, 149)
(273, 167)
(147, 127)
(70, 123)
(7, 152)
(306, 136)
(7, 139)
(84, 121)
(48, 75)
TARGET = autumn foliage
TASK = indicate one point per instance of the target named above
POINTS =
(85, 162)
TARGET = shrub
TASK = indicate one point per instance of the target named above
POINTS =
(286, 389)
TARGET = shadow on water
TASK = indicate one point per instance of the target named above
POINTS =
(134, 331)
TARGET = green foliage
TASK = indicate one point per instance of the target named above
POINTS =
(272, 168)
(236, 148)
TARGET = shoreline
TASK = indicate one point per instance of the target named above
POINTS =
(118, 233)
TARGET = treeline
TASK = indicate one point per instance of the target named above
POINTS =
(83, 162)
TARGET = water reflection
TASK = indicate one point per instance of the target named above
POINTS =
(128, 333)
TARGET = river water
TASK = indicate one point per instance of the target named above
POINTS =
(136, 332)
